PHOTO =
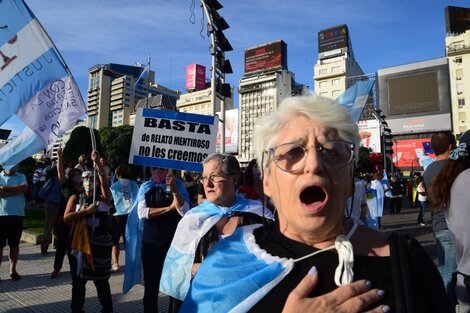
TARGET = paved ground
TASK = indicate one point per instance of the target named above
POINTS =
(37, 292)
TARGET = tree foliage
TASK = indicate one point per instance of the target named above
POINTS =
(116, 143)
(80, 143)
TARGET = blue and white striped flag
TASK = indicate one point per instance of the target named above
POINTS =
(355, 98)
(143, 75)
(34, 84)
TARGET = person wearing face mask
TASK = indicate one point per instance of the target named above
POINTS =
(313, 258)
(91, 241)
(151, 225)
(70, 184)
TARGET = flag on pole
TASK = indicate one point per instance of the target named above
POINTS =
(143, 75)
(35, 84)
(355, 98)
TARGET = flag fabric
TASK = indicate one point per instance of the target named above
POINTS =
(134, 231)
(176, 273)
(34, 83)
(143, 75)
(355, 98)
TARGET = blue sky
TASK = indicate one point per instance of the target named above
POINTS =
(384, 33)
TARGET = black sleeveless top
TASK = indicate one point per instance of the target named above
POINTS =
(159, 231)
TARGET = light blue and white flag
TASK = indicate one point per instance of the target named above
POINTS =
(134, 232)
(355, 98)
(176, 273)
(34, 84)
(143, 75)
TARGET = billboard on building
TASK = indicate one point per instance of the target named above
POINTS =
(195, 77)
(333, 38)
(413, 153)
(267, 57)
(415, 97)
(457, 19)
(369, 132)
(231, 132)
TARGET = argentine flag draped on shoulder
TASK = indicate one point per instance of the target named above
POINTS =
(35, 84)
(134, 231)
(176, 274)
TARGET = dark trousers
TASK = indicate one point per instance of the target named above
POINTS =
(395, 205)
(62, 232)
(152, 265)
(78, 290)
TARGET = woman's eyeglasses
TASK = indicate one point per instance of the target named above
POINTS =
(214, 178)
(290, 157)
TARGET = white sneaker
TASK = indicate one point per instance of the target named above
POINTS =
(422, 224)
(115, 267)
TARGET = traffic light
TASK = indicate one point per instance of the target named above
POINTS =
(388, 140)
(223, 65)
(223, 89)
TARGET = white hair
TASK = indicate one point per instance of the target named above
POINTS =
(322, 110)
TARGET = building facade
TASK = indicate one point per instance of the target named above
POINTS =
(458, 57)
(336, 64)
(110, 100)
(258, 96)
(199, 102)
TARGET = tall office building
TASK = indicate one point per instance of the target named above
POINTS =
(110, 102)
(336, 64)
(265, 84)
(458, 58)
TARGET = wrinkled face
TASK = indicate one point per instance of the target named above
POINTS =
(159, 174)
(219, 187)
(310, 201)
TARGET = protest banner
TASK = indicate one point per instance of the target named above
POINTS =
(171, 139)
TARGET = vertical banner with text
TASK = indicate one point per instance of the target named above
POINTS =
(171, 139)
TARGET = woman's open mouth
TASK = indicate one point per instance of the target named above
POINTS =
(313, 198)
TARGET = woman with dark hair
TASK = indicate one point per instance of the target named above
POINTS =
(91, 242)
(449, 190)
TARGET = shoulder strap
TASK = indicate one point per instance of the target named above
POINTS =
(401, 273)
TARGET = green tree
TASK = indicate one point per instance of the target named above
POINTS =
(363, 165)
(116, 143)
(80, 143)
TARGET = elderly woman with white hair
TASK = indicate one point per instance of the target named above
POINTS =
(313, 259)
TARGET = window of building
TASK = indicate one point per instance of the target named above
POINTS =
(336, 93)
(459, 74)
(323, 84)
(324, 94)
(323, 71)
(458, 60)
(335, 82)
(336, 69)
(460, 88)
(461, 102)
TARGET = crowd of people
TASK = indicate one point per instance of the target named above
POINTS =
(297, 230)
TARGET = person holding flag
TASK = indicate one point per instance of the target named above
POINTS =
(91, 239)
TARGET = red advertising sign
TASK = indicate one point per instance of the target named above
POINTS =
(270, 56)
(413, 153)
(195, 77)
